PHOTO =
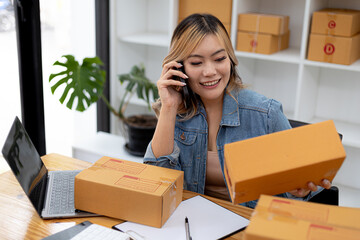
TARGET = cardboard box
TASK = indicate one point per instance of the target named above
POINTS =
(283, 161)
(279, 218)
(222, 9)
(331, 49)
(308, 211)
(129, 191)
(267, 226)
(261, 43)
(263, 23)
(337, 22)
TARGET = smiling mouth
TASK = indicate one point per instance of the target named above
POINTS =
(211, 83)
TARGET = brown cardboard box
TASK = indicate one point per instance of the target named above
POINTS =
(261, 43)
(263, 23)
(279, 218)
(337, 22)
(283, 161)
(220, 8)
(332, 49)
(129, 191)
(267, 226)
(313, 212)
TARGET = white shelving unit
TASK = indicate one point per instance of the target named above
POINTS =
(309, 91)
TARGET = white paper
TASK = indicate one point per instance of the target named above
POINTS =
(207, 220)
(98, 232)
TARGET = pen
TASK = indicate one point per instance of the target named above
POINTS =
(187, 229)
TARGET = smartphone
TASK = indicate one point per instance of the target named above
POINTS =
(185, 92)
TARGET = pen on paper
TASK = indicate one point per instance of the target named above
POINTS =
(187, 229)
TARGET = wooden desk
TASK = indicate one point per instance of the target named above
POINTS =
(19, 220)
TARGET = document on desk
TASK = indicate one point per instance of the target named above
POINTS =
(207, 220)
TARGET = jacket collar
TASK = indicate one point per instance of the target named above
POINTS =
(230, 115)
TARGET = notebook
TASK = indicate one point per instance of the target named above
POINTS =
(42, 187)
(207, 220)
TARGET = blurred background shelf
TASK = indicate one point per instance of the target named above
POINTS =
(309, 91)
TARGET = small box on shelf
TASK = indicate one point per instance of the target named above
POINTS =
(262, 33)
(220, 8)
(334, 49)
(263, 23)
(335, 36)
(262, 43)
(338, 22)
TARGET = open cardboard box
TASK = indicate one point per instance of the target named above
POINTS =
(283, 161)
(129, 191)
(280, 218)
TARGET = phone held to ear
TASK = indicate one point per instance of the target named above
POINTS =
(186, 91)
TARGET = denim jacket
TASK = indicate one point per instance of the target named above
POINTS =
(250, 115)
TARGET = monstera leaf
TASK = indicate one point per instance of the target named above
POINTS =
(137, 82)
(82, 82)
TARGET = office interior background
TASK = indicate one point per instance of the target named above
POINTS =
(68, 27)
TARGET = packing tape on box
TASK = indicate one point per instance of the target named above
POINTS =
(282, 28)
(282, 32)
(172, 184)
(279, 43)
(169, 182)
(331, 22)
(254, 42)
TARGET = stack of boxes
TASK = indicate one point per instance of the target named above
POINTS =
(219, 8)
(262, 33)
(335, 36)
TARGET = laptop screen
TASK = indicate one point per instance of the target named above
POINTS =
(26, 164)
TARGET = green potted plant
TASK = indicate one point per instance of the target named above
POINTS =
(83, 84)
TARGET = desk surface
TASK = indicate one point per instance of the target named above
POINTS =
(19, 220)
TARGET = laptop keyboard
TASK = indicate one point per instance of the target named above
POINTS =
(62, 193)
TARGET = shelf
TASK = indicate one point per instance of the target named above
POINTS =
(353, 67)
(102, 144)
(290, 55)
(151, 39)
(350, 131)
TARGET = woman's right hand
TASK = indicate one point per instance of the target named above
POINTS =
(169, 88)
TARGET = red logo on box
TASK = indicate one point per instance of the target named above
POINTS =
(253, 43)
(332, 24)
(329, 49)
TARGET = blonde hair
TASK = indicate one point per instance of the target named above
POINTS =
(186, 37)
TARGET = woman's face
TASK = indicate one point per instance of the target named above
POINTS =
(208, 69)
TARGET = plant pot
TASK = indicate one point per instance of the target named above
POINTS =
(139, 130)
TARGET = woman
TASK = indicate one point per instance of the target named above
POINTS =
(192, 139)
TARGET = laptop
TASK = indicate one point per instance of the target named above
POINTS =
(50, 192)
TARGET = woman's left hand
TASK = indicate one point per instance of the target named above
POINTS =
(302, 192)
